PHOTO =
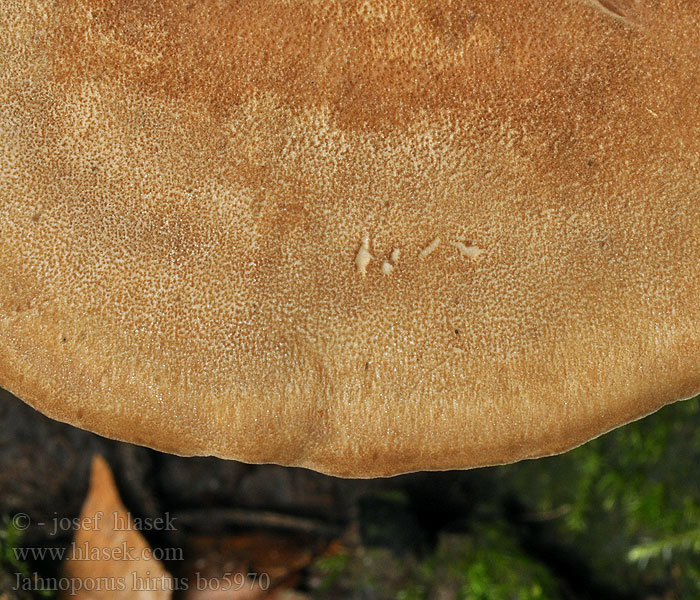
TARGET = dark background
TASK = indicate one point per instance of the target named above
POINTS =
(618, 518)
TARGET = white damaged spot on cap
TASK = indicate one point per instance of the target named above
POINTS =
(363, 256)
(390, 264)
(472, 252)
(430, 248)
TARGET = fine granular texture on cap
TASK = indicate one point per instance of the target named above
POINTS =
(364, 237)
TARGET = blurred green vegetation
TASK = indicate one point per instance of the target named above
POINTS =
(11, 567)
(487, 566)
(616, 518)
(627, 505)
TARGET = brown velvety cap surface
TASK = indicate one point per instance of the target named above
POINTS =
(365, 237)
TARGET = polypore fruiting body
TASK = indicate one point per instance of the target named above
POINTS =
(192, 195)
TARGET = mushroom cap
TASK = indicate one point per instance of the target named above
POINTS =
(363, 237)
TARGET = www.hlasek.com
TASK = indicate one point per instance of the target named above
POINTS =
(86, 552)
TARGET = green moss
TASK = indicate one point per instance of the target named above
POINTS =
(627, 505)
(485, 565)
(10, 565)
(329, 568)
(10, 538)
